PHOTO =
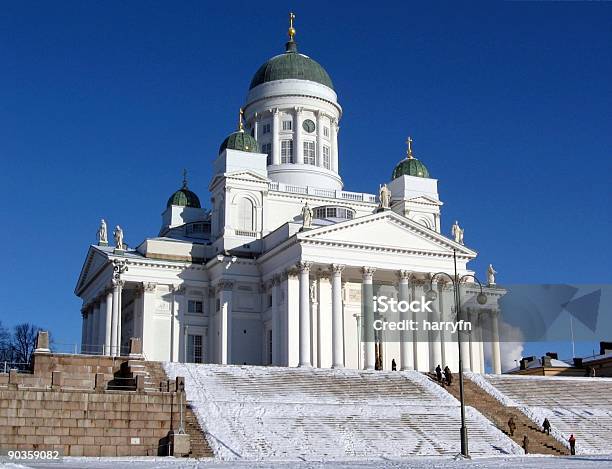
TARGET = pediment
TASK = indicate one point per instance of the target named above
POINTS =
(425, 200)
(95, 261)
(241, 175)
(386, 231)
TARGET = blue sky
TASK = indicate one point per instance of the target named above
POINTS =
(102, 104)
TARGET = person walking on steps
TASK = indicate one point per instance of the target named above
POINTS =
(572, 442)
(546, 426)
(511, 426)
(526, 444)
(393, 365)
(448, 375)
(439, 373)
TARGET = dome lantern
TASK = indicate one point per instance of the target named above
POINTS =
(184, 197)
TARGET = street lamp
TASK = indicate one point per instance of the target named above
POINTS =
(481, 298)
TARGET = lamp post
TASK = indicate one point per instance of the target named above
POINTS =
(481, 299)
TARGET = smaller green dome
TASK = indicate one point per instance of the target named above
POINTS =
(410, 167)
(240, 140)
(184, 197)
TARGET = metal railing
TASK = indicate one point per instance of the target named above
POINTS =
(89, 349)
(21, 367)
(318, 192)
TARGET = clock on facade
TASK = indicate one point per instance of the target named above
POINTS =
(308, 126)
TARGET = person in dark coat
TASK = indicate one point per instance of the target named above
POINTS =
(511, 426)
(526, 444)
(572, 442)
(393, 365)
(448, 375)
(546, 426)
(439, 373)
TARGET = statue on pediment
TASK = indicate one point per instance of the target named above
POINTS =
(384, 195)
(491, 275)
(457, 233)
(102, 233)
(306, 216)
(118, 235)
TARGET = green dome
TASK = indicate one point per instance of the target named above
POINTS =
(410, 167)
(291, 65)
(240, 140)
(184, 197)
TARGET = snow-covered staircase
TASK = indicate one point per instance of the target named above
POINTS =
(579, 406)
(252, 412)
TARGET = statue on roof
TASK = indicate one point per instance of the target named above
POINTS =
(306, 216)
(118, 235)
(102, 234)
(384, 195)
(457, 232)
(491, 275)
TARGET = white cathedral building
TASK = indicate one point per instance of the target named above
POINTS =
(277, 270)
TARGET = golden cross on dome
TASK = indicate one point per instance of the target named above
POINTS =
(184, 177)
(409, 150)
(291, 28)
(240, 125)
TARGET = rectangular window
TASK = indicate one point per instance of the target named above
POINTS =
(267, 149)
(266, 129)
(287, 125)
(194, 348)
(326, 132)
(195, 307)
(269, 301)
(270, 345)
(309, 153)
(286, 151)
(326, 157)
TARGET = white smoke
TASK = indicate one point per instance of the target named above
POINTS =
(511, 346)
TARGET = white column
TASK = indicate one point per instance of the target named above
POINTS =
(314, 323)
(225, 288)
(406, 337)
(276, 159)
(176, 334)
(333, 128)
(471, 317)
(435, 340)
(337, 326)
(319, 138)
(83, 329)
(116, 319)
(256, 126)
(275, 321)
(95, 349)
(108, 317)
(495, 351)
(298, 146)
(304, 275)
(368, 316)
(91, 319)
(324, 323)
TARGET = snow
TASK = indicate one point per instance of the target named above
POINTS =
(574, 405)
(506, 462)
(269, 413)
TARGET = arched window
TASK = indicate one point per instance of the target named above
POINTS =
(245, 215)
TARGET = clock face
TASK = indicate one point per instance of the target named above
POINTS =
(308, 126)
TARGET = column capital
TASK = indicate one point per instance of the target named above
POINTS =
(406, 275)
(117, 283)
(275, 111)
(304, 266)
(178, 288)
(225, 285)
(276, 280)
(368, 272)
(337, 269)
(149, 287)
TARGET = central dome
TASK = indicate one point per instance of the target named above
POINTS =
(291, 65)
